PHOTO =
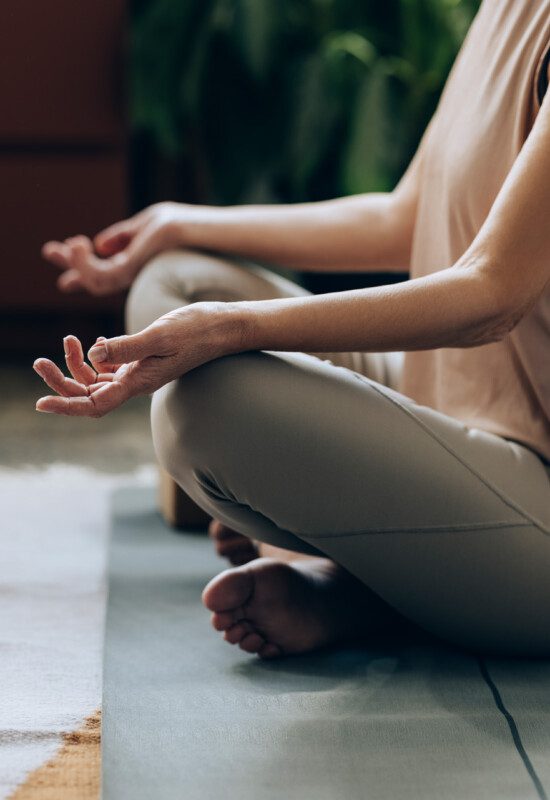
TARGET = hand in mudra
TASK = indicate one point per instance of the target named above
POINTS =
(128, 366)
(111, 262)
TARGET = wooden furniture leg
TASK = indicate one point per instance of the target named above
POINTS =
(177, 508)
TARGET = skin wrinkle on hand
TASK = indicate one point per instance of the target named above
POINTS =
(145, 362)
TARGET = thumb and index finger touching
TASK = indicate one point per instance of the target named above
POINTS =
(123, 349)
(115, 238)
(124, 239)
(137, 372)
(121, 244)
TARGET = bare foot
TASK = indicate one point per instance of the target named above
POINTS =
(276, 608)
(230, 544)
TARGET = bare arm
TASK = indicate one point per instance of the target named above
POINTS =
(365, 232)
(360, 233)
(476, 301)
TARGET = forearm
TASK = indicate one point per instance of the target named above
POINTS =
(457, 307)
(360, 233)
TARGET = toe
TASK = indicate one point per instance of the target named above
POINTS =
(240, 559)
(229, 590)
(237, 633)
(270, 650)
(252, 642)
(223, 620)
(238, 549)
(227, 547)
(217, 531)
(220, 532)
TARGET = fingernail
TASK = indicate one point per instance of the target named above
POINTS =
(98, 353)
(42, 410)
(65, 347)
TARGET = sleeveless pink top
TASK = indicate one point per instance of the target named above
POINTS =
(484, 116)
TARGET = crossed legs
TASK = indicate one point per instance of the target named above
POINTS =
(404, 513)
(176, 278)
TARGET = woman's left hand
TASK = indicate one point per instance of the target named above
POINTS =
(127, 366)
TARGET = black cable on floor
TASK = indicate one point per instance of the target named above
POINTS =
(539, 788)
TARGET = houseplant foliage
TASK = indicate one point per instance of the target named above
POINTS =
(288, 100)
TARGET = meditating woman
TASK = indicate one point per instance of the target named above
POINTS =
(392, 443)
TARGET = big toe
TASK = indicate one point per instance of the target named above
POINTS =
(228, 590)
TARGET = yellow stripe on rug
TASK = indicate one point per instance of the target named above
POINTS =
(74, 773)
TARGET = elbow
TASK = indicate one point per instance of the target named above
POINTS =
(503, 308)
(486, 331)
(510, 318)
(500, 327)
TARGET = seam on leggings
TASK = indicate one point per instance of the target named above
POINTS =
(473, 526)
(510, 503)
(211, 488)
(516, 738)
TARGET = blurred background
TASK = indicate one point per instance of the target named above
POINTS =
(110, 106)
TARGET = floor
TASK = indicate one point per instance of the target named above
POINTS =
(57, 478)
(114, 445)
(186, 716)
(482, 728)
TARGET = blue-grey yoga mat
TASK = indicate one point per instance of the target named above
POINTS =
(187, 717)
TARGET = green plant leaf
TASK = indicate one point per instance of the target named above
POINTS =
(313, 120)
(368, 154)
(290, 99)
(255, 30)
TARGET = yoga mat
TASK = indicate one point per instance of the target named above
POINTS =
(187, 716)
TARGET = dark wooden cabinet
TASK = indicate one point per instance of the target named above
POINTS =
(63, 155)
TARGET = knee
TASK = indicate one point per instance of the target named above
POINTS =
(175, 278)
(193, 417)
(153, 283)
(174, 416)
(202, 421)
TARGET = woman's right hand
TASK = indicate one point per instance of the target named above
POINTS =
(111, 262)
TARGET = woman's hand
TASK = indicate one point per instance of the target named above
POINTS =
(127, 366)
(117, 254)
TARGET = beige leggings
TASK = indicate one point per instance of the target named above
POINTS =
(447, 524)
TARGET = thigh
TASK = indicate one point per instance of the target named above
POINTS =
(384, 368)
(178, 277)
(448, 524)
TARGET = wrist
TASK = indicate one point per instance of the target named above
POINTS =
(193, 226)
(230, 328)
